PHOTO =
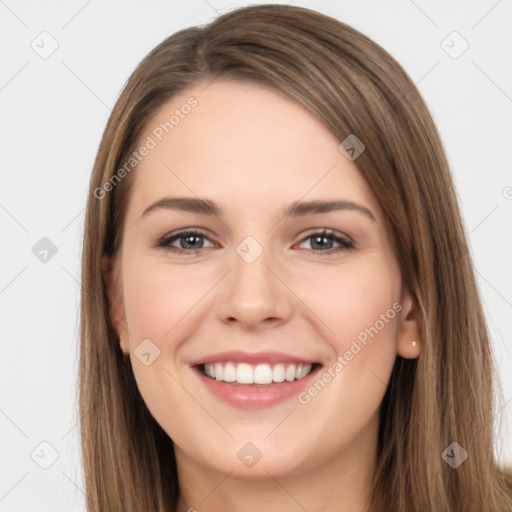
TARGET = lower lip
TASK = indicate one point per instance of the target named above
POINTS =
(255, 396)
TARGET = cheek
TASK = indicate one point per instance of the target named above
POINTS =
(159, 306)
(356, 302)
(344, 303)
(360, 308)
(157, 298)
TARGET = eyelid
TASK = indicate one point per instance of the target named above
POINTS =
(164, 241)
(326, 231)
(345, 242)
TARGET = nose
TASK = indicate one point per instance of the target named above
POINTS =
(254, 294)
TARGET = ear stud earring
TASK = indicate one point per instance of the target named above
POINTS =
(413, 343)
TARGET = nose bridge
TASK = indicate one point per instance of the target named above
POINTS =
(254, 293)
(252, 278)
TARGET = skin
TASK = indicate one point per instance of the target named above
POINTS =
(253, 151)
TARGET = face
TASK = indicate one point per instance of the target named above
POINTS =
(307, 303)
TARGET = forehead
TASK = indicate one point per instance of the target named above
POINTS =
(237, 141)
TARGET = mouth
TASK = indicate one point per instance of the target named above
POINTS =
(256, 374)
(254, 380)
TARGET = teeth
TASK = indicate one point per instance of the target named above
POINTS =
(229, 373)
(219, 371)
(263, 374)
(290, 373)
(244, 373)
(278, 373)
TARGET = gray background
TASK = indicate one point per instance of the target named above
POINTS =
(54, 109)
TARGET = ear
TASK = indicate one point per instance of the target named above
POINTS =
(409, 343)
(113, 286)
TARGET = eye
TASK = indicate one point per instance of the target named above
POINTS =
(192, 242)
(324, 239)
(189, 242)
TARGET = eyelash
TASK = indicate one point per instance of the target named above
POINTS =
(165, 241)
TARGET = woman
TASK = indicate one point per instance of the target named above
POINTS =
(230, 360)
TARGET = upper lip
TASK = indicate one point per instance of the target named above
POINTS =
(237, 356)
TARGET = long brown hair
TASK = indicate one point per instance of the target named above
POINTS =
(354, 87)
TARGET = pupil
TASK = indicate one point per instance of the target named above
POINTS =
(191, 237)
(317, 238)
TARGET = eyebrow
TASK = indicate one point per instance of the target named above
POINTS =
(296, 209)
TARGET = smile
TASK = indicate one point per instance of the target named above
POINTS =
(255, 380)
(244, 373)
